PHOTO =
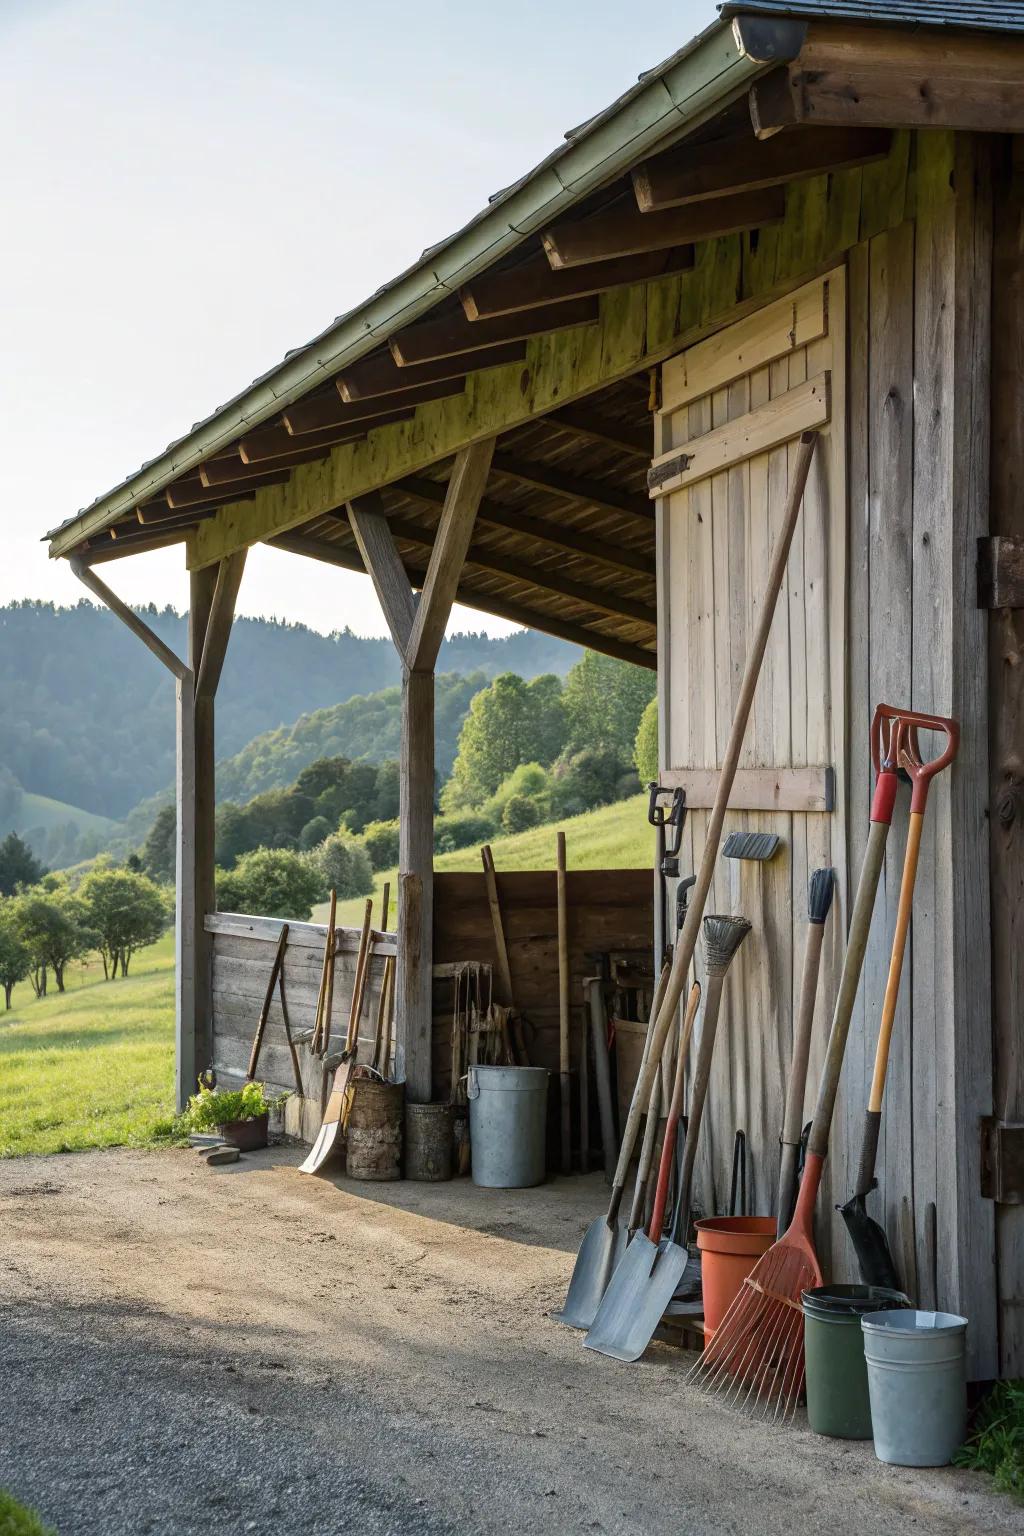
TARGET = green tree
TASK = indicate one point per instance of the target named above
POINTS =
(15, 960)
(490, 743)
(18, 865)
(344, 866)
(546, 720)
(273, 882)
(380, 839)
(54, 928)
(645, 747)
(159, 852)
(314, 832)
(520, 813)
(604, 700)
(126, 911)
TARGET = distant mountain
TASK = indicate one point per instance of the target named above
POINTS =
(87, 714)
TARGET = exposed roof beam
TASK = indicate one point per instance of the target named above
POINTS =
(691, 174)
(860, 75)
(189, 493)
(375, 542)
(327, 410)
(594, 493)
(158, 514)
(225, 471)
(448, 552)
(453, 333)
(535, 283)
(560, 535)
(275, 442)
(483, 602)
(623, 231)
(581, 420)
(125, 547)
(381, 375)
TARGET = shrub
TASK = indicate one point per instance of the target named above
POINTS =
(16, 1520)
(380, 839)
(462, 831)
(520, 814)
(996, 1443)
(645, 748)
(344, 865)
(314, 832)
(209, 1108)
(587, 779)
(529, 780)
(274, 882)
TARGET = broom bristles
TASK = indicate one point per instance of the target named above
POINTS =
(755, 1357)
(722, 938)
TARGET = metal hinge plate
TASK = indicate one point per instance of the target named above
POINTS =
(1002, 1161)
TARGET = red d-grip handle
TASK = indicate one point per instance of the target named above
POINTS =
(922, 773)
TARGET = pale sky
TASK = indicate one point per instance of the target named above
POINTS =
(192, 187)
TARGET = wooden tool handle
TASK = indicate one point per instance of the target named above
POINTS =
(359, 983)
(899, 946)
(856, 946)
(701, 1078)
(497, 924)
(682, 956)
(796, 1086)
(564, 1014)
(275, 971)
(643, 1173)
(318, 1041)
(674, 1110)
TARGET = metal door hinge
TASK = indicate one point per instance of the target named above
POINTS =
(1002, 1161)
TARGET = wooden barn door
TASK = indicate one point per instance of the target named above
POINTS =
(739, 400)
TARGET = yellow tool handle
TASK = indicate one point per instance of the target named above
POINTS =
(899, 944)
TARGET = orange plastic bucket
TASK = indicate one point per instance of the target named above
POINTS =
(729, 1246)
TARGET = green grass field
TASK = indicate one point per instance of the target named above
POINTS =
(93, 1067)
(41, 811)
(614, 837)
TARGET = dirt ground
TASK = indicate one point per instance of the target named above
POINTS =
(185, 1349)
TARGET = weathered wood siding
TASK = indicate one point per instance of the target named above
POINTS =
(905, 629)
(242, 956)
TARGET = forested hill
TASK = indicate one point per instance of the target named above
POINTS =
(88, 713)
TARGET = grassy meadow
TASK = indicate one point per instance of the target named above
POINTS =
(94, 1066)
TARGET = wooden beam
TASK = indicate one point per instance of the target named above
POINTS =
(272, 443)
(157, 514)
(582, 421)
(757, 789)
(193, 493)
(232, 471)
(381, 375)
(453, 333)
(560, 535)
(128, 618)
(847, 76)
(602, 599)
(123, 548)
(327, 410)
(623, 231)
(218, 625)
(347, 559)
(594, 493)
(692, 173)
(465, 489)
(534, 282)
(380, 558)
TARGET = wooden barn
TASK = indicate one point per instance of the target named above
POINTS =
(811, 216)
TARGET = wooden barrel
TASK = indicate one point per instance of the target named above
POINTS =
(374, 1132)
(429, 1130)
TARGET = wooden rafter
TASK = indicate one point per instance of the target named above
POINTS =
(584, 422)
(534, 282)
(381, 375)
(623, 231)
(193, 493)
(686, 174)
(850, 75)
(277, 442)
(327, 410)
(453, 333)
(230, 471)
(119, 549)
(559, 535)
(485, 602)
(595, 493)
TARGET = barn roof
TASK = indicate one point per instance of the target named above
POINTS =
(565, 535)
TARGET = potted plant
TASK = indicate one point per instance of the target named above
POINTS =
(241, 1115)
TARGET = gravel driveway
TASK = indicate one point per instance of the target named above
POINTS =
(184, 1350)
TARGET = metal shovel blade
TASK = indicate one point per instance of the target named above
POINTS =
(322, 1148)
(871, 1245)
(688, 1291)
(600, 1251)
(635, 1301)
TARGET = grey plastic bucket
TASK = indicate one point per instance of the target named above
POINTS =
(837, 1378)
(917, 1380)
(508, 1109)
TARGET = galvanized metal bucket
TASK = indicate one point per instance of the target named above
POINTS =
(917, 1381)
(507, 1125)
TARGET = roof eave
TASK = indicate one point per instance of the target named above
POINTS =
(698, 80)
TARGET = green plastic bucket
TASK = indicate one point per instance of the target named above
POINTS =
(837, 1378)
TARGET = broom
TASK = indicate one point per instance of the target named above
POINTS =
(756, 1357)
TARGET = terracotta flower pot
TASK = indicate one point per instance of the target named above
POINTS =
(246, 1135)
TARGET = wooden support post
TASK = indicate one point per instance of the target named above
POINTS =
(417, 626)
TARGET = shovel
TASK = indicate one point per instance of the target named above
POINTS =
(332, 1128)
(605, 1239)
(647, 1276)
(869, 1240)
